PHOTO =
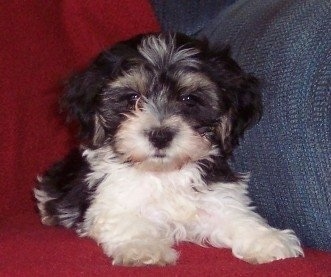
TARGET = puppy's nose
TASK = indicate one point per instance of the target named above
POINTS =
(161, 137)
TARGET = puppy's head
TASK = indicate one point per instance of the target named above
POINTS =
(161, 101)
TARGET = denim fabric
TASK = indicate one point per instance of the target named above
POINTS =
(287, 44)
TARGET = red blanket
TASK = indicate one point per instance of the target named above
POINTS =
(42, 43)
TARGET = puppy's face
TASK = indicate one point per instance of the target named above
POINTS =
(161, 101)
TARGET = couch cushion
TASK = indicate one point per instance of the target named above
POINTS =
(31, 249)
(287, 45)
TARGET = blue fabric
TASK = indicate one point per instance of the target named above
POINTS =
(287, 45)
(187, 17)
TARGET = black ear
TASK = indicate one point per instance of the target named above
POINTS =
(84, 90)
(80, 102)
(82, 96)
(240, 99)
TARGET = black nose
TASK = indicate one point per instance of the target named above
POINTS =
(161, 137)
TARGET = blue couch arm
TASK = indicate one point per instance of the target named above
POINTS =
(286, 44)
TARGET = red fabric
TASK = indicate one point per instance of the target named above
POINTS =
(30, 249)
(42, 42)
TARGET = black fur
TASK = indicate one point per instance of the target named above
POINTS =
(65, 182)
(84, 89)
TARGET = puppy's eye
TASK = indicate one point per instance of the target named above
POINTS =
(129, 99)
(132, 99)
(190, 100)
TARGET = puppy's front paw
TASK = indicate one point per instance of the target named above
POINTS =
(273, 245)
(144, 253)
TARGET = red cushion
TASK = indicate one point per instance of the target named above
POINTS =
(31, 249)
(42, 43)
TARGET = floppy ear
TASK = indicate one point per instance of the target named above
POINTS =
(84, 90)
(240, 100)
(82, 96)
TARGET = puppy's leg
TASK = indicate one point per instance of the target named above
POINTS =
(140, 252)
(227, 220)
(62, 194)
(132, 241)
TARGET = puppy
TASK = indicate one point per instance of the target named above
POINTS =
(160, 115)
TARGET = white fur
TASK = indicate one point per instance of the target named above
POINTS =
(160, 52)
(138, 216)
(133, 143)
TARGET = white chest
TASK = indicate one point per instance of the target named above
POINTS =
(158, 196)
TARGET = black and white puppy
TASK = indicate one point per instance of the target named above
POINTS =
(160, 115)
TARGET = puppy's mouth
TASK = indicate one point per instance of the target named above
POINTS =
(161, 163)
(159, 154)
